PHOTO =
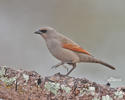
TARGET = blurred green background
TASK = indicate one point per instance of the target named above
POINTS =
(97, 25)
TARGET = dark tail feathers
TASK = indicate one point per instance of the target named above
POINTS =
(105, 64)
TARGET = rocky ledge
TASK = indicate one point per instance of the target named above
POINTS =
(29, 85)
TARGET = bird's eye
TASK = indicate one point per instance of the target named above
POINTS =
(43, 31)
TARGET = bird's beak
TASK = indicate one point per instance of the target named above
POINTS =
(38, 32)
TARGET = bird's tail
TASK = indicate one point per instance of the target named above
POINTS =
(92, 59)
(105, 64)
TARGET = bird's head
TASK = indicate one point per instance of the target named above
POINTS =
(45, 31)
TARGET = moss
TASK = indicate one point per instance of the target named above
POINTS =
(92, 90)
(107, 97)
(65, 88)
(83, 91)
(26, 77)
(119, 94)
(95, 98)
(8, 81)
(2, 71)
(87, 91)
(54, 87)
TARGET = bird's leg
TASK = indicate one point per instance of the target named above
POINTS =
(74, 66)
(57, 65)
(66, 67)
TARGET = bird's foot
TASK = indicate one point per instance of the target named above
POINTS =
(54, 67)
(57, 65)
(66, 68)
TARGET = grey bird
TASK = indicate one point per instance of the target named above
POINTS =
(66, 50)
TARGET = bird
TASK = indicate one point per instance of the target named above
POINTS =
(66, 50)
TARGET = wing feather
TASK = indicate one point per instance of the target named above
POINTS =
(75, 48)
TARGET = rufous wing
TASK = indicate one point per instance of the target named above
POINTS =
(75, 48)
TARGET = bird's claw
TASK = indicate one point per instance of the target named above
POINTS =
(53, 67)
(66, 68)
(57, 66)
